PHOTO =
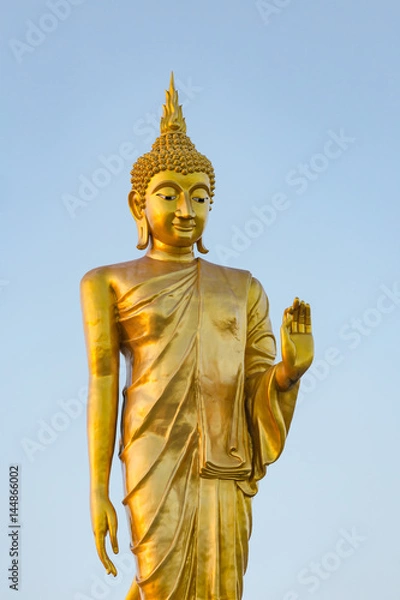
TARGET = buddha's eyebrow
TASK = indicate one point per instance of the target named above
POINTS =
(164, 184)
(203, 186)
(177, 187)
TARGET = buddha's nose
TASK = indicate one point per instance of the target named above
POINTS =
(184, 207)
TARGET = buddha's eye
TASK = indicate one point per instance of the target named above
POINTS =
(165, 197)
(199, 199)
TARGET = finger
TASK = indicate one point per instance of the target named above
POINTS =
(101, 551)
(112, 528)
(295, 322)
(308, 319)
(287, 317)
(286, 329)
(111, 570)
(302, 317)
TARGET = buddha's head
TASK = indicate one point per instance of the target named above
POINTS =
(172, 185)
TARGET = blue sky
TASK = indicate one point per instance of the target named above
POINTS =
(296, 104)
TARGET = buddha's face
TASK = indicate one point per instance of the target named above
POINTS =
(177, 207)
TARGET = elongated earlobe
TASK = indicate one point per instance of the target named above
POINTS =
(143, 233)
(136, 205)
(200, 246)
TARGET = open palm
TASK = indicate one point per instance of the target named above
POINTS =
(296, 339)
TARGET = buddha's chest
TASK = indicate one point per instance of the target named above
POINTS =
(214, 315)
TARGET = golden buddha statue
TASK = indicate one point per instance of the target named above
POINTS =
(205, 408)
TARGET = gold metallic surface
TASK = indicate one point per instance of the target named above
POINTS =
(172, 150)
(205, 408)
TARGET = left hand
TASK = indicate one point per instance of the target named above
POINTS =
(297, 342)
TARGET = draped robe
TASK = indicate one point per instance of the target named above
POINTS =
(202, 419)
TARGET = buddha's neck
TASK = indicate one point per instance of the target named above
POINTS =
(161, 251)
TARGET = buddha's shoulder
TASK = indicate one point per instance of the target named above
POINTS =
(113, 273)
(225, 271)
(241, 277)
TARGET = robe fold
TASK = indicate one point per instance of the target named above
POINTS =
(202, 419)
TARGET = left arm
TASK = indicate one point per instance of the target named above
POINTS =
(271, 389)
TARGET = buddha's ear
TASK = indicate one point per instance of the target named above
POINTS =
(201, 247)
(136, 205)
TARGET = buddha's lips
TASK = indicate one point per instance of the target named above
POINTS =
(183, 227)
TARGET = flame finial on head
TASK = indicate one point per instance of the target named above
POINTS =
(172, 150)
(172, 120)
